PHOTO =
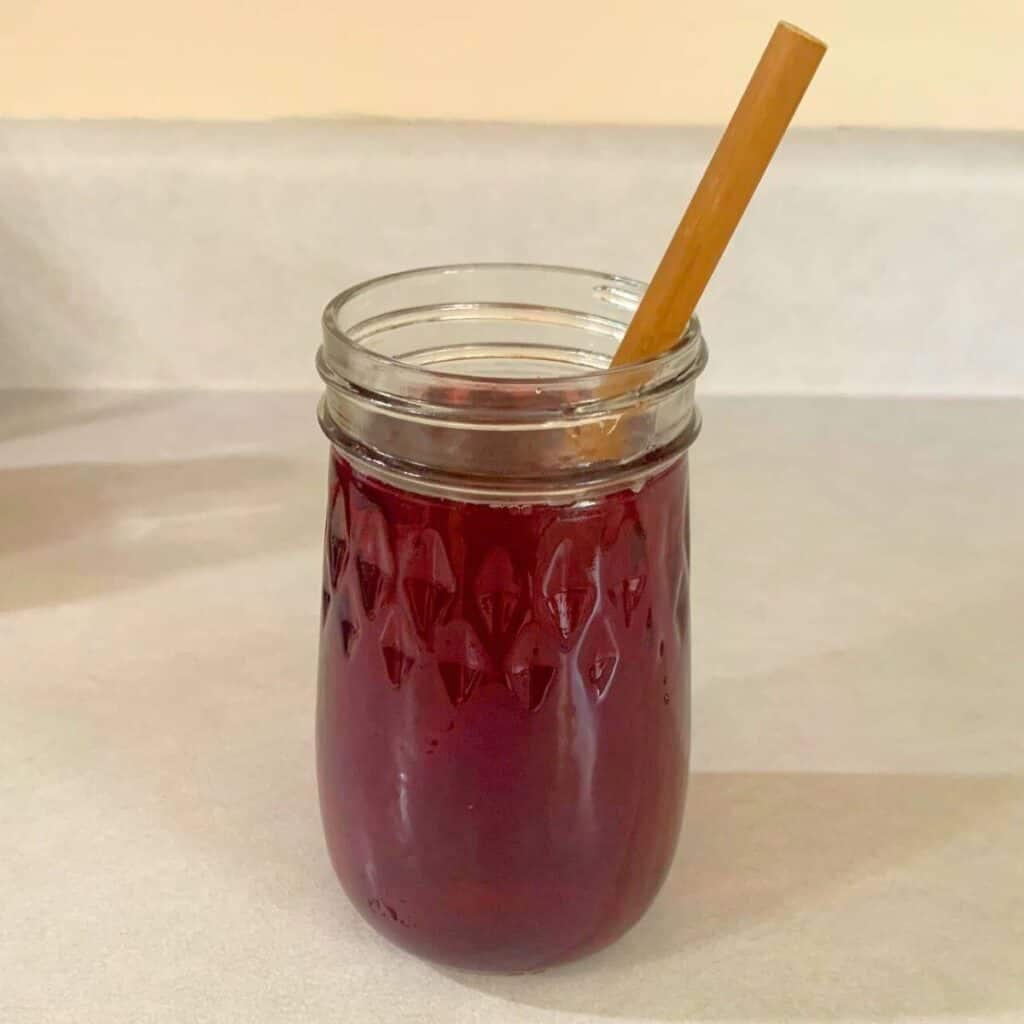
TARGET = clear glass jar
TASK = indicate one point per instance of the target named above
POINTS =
(503, 707)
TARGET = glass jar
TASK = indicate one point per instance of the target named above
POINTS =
(504, 684)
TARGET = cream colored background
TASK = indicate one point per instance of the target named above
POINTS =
(939, 63)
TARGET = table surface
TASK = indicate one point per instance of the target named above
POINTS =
(854, 841)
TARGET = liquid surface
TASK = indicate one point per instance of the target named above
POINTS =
(503, 715)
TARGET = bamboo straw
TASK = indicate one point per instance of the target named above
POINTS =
(757, 126)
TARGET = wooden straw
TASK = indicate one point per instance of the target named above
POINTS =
(764, 112)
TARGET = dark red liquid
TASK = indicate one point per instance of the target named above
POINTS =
(503, 715)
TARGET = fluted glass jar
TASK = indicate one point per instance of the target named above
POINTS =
(504, 684)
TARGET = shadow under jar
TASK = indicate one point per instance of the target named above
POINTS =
(504, 684)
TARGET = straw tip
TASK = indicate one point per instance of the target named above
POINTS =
(790, 29)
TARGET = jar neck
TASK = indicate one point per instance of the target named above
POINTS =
(491, 383)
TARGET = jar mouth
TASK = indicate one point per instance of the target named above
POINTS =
(493, 380)
(496, 363)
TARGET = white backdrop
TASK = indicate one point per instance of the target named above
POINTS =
(175, 255)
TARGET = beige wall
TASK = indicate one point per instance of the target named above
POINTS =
(946, 63)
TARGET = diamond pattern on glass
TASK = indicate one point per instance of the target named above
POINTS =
(398, 646)
(427, 579)
(375, 565)
(461, 659)
(628, 569)
(599, 656)
(498, 593)
(347, 625)
(567, 590)
(337, 538)
(531, 666)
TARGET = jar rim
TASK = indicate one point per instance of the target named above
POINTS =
(657, 368)
(547, 418)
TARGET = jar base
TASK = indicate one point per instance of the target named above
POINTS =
(500, 959)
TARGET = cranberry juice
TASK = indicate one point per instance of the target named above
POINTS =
(503, 714)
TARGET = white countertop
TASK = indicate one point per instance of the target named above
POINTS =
(854, 842)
